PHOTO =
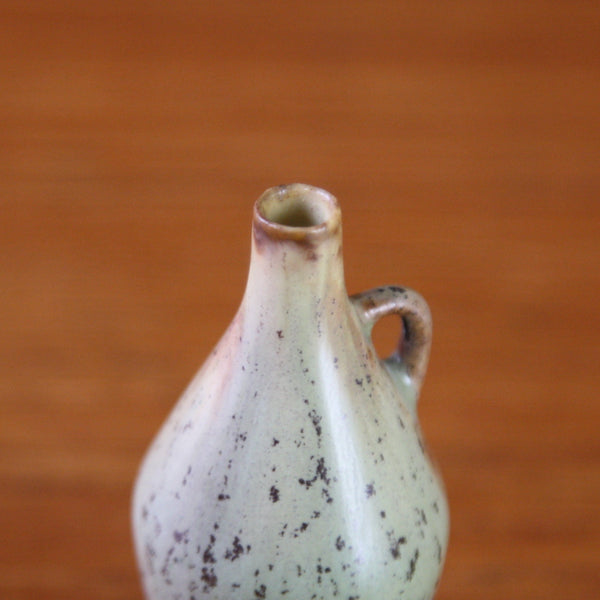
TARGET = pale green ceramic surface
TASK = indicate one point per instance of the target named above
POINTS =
(293, 466)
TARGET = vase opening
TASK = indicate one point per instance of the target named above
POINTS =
(297, 206)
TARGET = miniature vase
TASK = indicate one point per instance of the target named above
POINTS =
(293, 466)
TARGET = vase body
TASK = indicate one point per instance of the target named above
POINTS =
(293, 465)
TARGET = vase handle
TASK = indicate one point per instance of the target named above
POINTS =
(408, 363)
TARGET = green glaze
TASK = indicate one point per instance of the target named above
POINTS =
(293, 465)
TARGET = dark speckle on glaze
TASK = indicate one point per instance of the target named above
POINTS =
(209, 578)
(412, 566)
(274, 494)
(236, 550)
(208, 556)
(395, 543)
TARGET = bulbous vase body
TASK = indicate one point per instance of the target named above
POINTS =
(293, 465)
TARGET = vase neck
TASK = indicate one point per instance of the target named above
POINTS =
(296, 250)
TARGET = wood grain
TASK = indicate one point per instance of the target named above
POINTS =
(463, 142)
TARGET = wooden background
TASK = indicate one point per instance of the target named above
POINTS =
(463, 142)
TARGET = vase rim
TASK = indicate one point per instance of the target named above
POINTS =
(297, 211)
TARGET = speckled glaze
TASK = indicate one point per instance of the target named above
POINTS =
(293, 465)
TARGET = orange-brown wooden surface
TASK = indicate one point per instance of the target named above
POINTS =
(462, 140)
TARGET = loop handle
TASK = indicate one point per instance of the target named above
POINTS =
(410, 358)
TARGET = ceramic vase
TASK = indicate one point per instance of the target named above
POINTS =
(293, 465)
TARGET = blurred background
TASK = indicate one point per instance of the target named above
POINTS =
(462, 140)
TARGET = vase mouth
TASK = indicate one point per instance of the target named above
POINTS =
(297, 211)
